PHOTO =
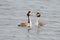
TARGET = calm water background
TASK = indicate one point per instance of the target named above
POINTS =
(13, 12)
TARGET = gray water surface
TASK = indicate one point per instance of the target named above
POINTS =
(13, 12)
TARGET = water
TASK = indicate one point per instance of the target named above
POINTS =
(13, 12)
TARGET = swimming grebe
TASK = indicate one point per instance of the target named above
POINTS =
(27, 24)
(38, 22)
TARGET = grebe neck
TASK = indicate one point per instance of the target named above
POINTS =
(28, 19)
(37, 21)
(30, 23)
(38, 18)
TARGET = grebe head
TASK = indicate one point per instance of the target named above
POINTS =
(29, 13)
(38, 14)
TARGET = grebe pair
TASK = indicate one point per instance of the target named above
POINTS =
(29, 24)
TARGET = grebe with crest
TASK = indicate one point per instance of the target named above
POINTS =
(27, 24)
(38, 22)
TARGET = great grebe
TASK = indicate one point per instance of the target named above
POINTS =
(27, 24)
(38, 22)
